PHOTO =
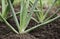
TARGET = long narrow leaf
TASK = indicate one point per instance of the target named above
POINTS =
(31, 12)
(8, 24)
(13, 14)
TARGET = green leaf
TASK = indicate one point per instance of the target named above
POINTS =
(23, 14)
(5, 8)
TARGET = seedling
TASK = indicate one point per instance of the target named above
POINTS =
(42, 16)
(25, 17)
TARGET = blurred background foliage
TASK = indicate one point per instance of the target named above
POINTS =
(48, 2)
(45, 2)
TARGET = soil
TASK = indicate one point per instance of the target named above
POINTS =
(6, 33)
(49, 31)
(18, 36)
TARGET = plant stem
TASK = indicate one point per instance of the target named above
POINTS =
(13, 14)
(28, 30)
(8, 24)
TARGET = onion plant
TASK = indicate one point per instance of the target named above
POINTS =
(42, 16)
(25, 17)
(5, 9)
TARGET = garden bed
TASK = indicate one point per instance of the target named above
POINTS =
(49, 31)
